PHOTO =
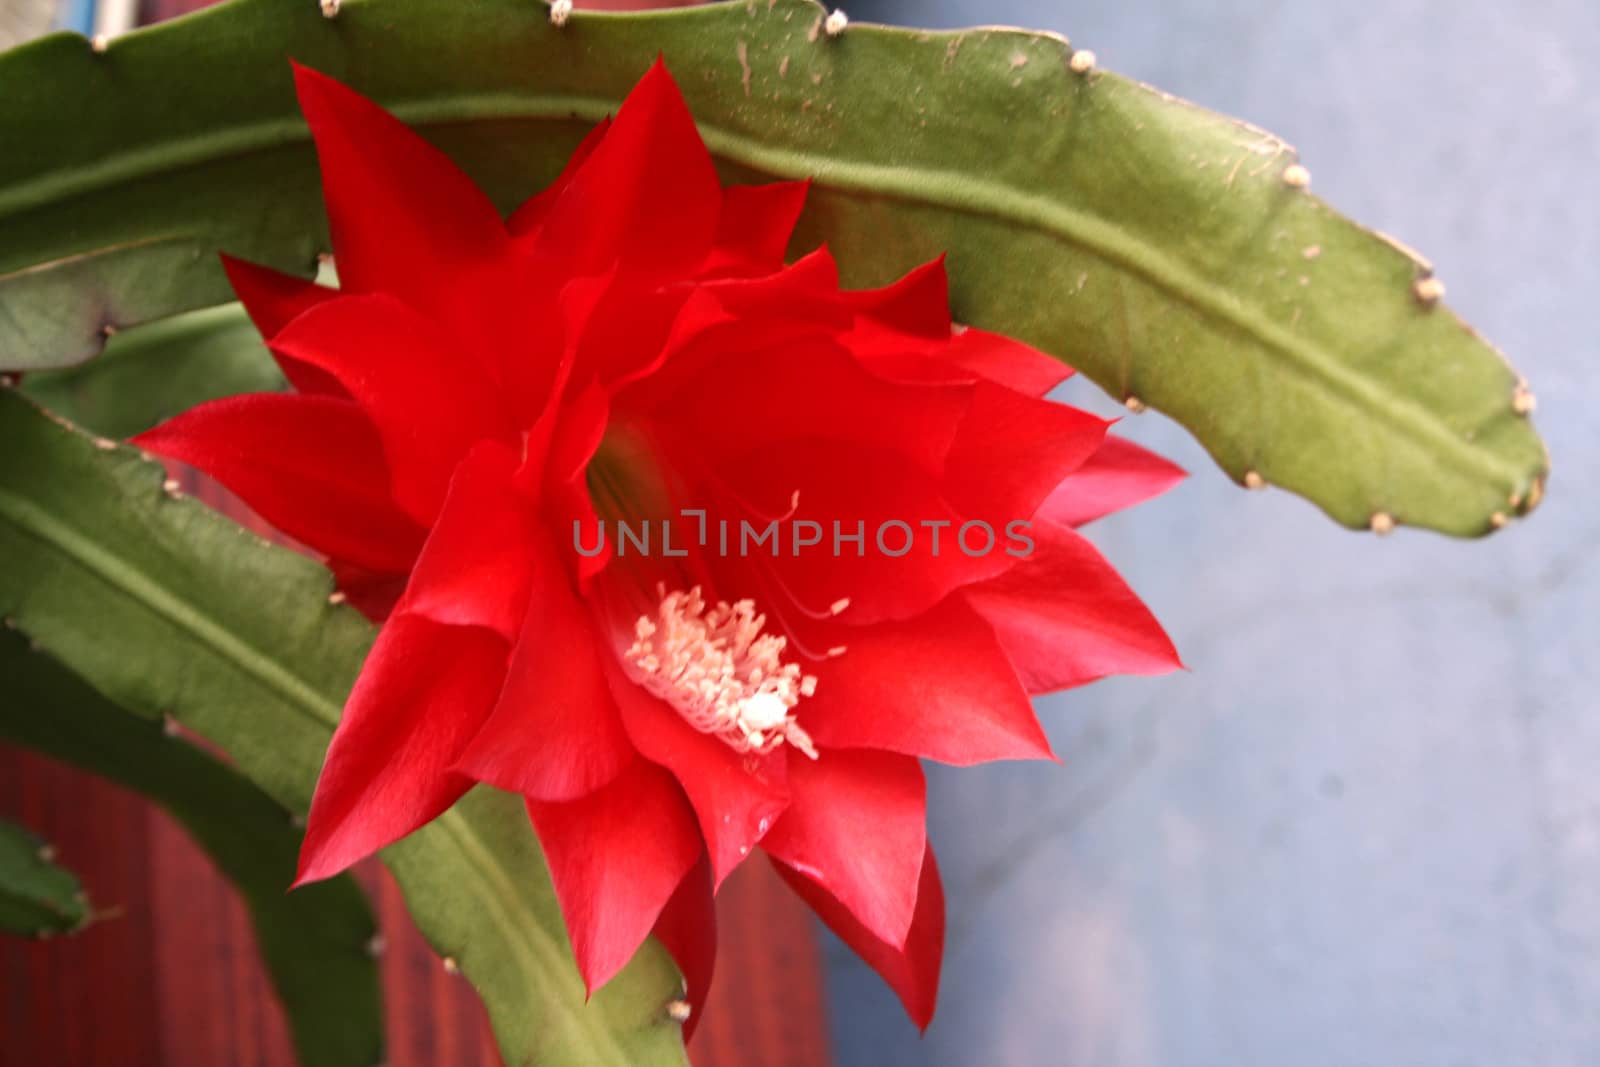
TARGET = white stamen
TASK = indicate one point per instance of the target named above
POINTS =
(721, 672)
(836, 23)
(560, 12)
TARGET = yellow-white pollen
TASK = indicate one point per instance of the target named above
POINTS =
(721, 671)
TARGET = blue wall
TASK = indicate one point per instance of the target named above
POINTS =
(1365, 830)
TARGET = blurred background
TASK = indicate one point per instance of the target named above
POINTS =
(1364, 829)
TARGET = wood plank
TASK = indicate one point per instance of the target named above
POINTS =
(86, 999)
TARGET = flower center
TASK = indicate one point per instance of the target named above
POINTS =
(721, 672)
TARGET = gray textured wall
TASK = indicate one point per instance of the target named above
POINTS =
(1365, 830)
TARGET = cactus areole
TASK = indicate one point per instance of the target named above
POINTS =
(691, 548)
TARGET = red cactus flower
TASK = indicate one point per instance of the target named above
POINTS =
(487, 409)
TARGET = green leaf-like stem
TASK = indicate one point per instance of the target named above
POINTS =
(153, 372)
(1170, 253)
(38, 898)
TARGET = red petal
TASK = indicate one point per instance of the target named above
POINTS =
(422, 694)
(736, 797)
(803, 294)
(311, 465)
(912, 971)
(965, 357)
(407, 222)
(688, 929)
(882, 487)
(918, 303)
(579, 424)
(754, 229)
(734, 405)
(555, 733)
(1006, 362)
(403, 216)
(857, 824)
(938, 686)
(1119, 475)
(538, 378)
(729, 316)
(580, 428)
(628, 330)
(1066, 617)
(273, 300)
(647, 199)
(474, 569)
(1012, 451)
(430, 407)
(527, 219)
(815, 273)
(570, 507)
(616, 857)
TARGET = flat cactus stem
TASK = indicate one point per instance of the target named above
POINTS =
(1175, 256)
(153, 372)
(38, 897)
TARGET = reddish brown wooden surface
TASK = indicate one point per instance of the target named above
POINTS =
(170, 977)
